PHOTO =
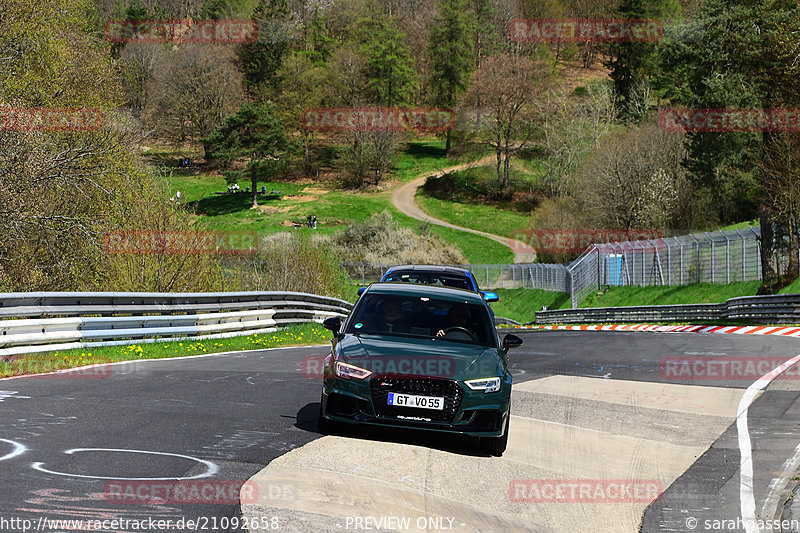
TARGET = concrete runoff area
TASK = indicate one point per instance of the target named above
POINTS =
(339, 480)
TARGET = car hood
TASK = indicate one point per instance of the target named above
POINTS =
(406, 357)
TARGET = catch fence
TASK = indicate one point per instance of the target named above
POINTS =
(711, 257)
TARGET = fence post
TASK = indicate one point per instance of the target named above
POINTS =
(697, 255)
(758, 250)
(744, 254)
(571, 288)
(680, 244)
(599, 267)
(727, 258)
(363, 279)
(713, 254)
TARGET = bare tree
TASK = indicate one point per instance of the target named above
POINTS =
(506, 87)
(636, 180)
(138, 62)
(197, 88)
(780, 167)
(571, 127)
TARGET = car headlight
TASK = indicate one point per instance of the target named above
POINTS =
(485, 384)
(344, 370)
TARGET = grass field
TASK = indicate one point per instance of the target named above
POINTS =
(421, 157)
(301, 335)
(205, 195)
(466, 207)
(685, 294)
(475, 216)
(521, 304)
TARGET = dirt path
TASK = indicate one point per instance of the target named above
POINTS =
(403, 200)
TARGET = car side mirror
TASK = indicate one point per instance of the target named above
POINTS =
(511, 341)
(361, 290)
(490, 296)
(333, 323)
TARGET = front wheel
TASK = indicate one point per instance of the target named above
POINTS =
(325, 426)
(496, 445)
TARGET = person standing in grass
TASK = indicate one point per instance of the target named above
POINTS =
(314, 221)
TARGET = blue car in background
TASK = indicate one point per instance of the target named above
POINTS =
(446, 276)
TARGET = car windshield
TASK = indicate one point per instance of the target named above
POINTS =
(423, 316)
(431, 278)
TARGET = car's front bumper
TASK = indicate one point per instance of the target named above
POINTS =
(473, 413)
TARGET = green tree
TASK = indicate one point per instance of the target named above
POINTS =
(389, 69)
(61, 192)
(633, 63)
(486, 36)
(261, 59)
(254, 133)
(302, 87)
(451, 52)
(318, 42)
(739, 54)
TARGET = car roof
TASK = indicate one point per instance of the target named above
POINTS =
(430, 268)
(434, 291)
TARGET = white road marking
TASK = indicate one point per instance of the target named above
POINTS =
(5, 394)
(747, 501)
(19, 449)
(778, 484)
(211, 468)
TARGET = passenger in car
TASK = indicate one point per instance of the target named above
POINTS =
(390, 317)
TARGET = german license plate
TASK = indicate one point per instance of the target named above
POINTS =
(420, 402)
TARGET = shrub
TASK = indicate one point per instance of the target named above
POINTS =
(289, 262)
(380, 240)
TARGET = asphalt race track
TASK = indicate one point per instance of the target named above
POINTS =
(599, 432)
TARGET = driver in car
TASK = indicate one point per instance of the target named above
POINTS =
(457, 317)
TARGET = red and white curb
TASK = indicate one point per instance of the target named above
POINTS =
(787, 331)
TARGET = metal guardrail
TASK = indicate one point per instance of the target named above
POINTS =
(38, 322)
(781, 309)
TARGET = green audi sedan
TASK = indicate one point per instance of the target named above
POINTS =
(420, 356)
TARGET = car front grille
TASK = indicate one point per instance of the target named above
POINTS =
(446, 388)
